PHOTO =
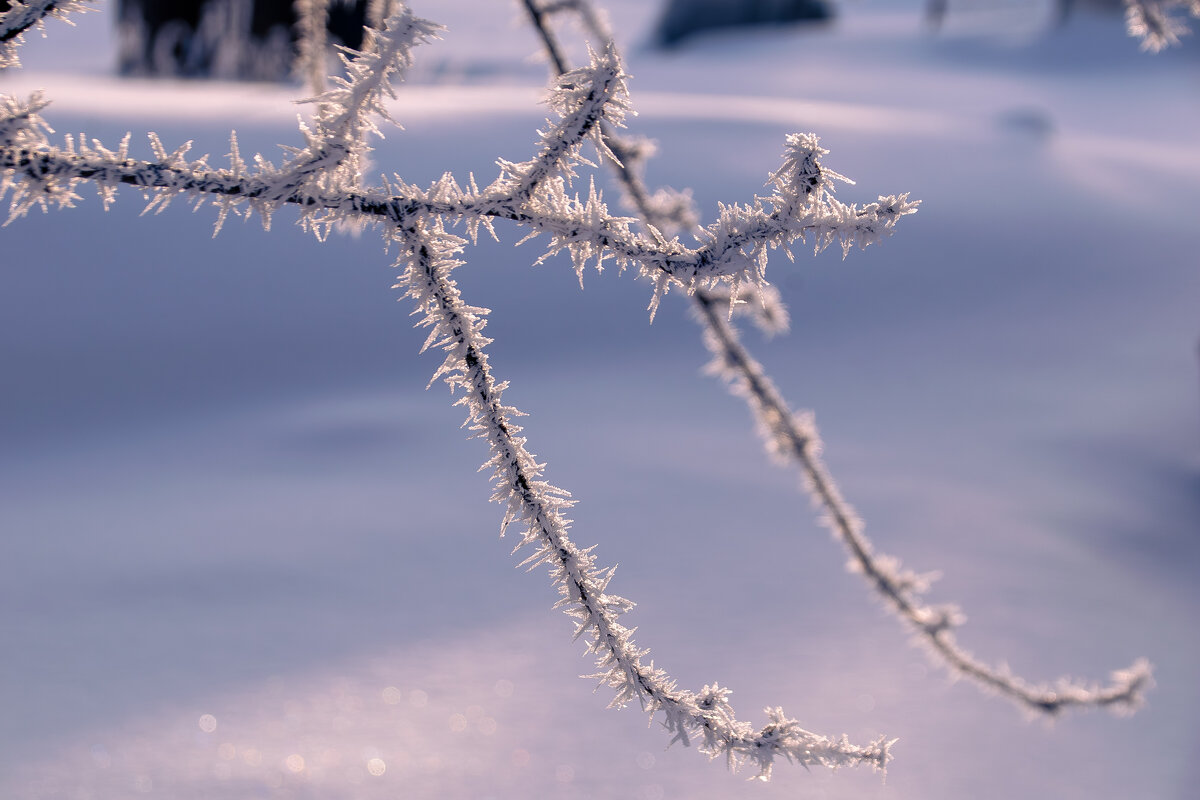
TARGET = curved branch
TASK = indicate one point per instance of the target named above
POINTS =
(795, 439)
(336, 146)
(22, 16)
(532, 502)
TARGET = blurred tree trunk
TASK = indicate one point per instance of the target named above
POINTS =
(682, 18)
(227, 39)
(936, 10)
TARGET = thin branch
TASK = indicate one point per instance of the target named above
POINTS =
(549, 43)
(336, 146)
(40, 174)
(455, 327)
(1154, 22)
(532, 193)
(22, 16)
(794, 439)
(322, 179)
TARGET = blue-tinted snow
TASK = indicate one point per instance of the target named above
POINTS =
(224, 490)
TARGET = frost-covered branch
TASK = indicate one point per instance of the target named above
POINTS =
(582, 100)
(21, 16)
(1156, 23)
(428, 256)
(793, 439)
(322, 179)
(322, 175)
(336, 144)
(532, 193)
(40, 173)
(312, 34)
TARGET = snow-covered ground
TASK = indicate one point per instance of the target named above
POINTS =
(244, 553)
